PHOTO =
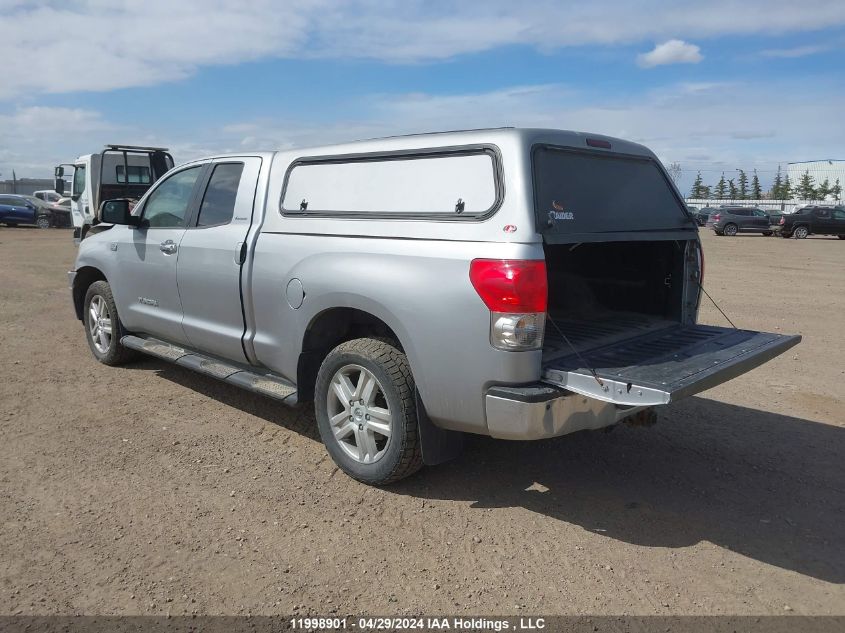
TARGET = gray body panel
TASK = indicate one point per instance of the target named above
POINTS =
(412, 273)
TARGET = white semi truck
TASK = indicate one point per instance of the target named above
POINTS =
(118, 171)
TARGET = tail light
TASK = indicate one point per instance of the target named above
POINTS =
(717, 217)
(516, 293)
(700, 264)
(782, 220)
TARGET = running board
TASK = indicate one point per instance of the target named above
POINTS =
(265, 384)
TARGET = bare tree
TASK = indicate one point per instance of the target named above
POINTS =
(675, 172)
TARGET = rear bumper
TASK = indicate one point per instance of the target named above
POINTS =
(542, 411)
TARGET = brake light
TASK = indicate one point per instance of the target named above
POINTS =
(598, 142)
(516, 293)
(782, 220)
(717, 217)
(510, 285)
(700, 264)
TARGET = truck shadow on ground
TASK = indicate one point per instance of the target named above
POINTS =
(767, 486)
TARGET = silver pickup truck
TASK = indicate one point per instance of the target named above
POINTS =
(517, 283)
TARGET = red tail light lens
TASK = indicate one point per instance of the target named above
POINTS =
(782, 220)
(717, 217)
(510, 285)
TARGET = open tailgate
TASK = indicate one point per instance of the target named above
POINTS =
(666, 365)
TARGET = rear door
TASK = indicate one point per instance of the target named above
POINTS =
(823, 221)
(211, 256)
(839, 221)
(761, 219)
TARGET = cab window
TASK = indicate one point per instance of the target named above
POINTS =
(79, 181)
(218, 203)
(167, 206)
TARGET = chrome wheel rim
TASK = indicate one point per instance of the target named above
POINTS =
(800, 232)
(730, 230)
(359, 415)
(99, 323)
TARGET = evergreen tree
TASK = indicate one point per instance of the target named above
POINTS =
(705, 191)
(734, 192)
(786, 189)
(836, 190)
(824, 189)
(776, 191)
(722, 188)
(743, 185)
(806, 189)
(697, 187)
(756, 191)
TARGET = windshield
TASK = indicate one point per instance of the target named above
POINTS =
(579, 191)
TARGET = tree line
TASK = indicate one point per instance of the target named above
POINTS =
(782, 189)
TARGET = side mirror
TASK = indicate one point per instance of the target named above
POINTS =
(117, 211)
(60, 172)
(59, 184)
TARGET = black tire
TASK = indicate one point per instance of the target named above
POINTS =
(730, 230)
(767, 233)
(401, 454)
(114, 353)
(43, 222)
(800, 232)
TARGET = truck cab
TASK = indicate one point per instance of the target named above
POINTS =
(118, 171)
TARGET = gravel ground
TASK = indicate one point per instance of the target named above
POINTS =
(148, 489)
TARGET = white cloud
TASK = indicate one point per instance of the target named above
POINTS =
(797, 51)
(100, 45)
(671, 52)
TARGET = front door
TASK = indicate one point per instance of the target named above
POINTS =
(211, 256)
(147, 294)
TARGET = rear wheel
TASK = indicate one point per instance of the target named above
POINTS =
(730, 230)
(800, 232)
(366, 411)
(102, 326)
(43, 222)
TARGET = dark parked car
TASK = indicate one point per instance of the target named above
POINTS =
(818, 220)
(732, 220)
(702, 214)
(15, 209)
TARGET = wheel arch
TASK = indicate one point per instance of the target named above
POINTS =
(85, 276)
(328, 329)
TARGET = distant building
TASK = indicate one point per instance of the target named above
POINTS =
(820, 170)
(25, 186)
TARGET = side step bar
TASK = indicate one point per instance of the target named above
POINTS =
(245, 377)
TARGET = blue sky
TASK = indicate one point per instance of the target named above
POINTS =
(713, 86)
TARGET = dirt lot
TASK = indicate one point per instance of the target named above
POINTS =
(149, 489)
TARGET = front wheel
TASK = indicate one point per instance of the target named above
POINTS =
(366, 411)
(102, 326)
(800, 232)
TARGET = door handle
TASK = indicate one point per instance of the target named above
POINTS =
(168, 247)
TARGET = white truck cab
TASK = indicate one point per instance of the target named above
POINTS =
(118, 171)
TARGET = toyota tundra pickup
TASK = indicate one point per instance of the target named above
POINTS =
(516, 283)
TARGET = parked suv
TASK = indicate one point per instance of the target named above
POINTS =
(732, 220)
(818, 220)
(521, 284)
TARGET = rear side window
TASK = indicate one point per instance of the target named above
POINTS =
(455, 184)
(218, 202)
(578, 191)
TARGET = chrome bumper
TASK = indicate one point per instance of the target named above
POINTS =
(542, 411)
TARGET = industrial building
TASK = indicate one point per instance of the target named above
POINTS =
(820, 170)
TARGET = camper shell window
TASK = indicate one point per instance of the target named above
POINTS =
(446, 183)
